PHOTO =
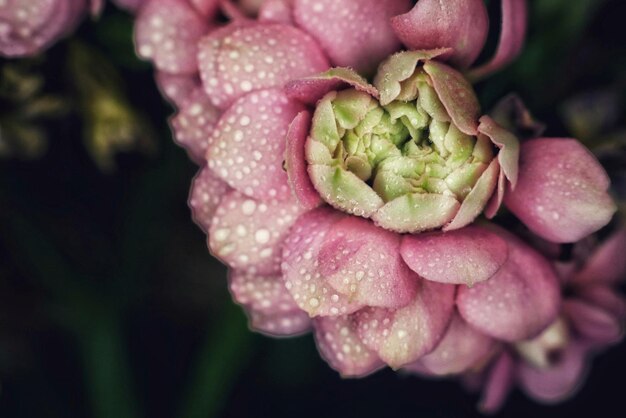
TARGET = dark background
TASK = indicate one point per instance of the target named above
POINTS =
(111, 306)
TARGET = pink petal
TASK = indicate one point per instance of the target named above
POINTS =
(194, 124)
(130, 5)
(248, 148)
(206, 7)
(276, 11)
(300, 266)
(362, 26)
(561, 194)
(95, 7)
(269, 305)
(607, 264)
(461, 349)
(29, 26)
(512, 36)
(456, 94)
(458, 24)
(167, 32)
(248, 235)
(206, 193)
(508, 144)
(516, 303)
(176, 88)
(464, 256)
(339, 344)
(238, 59)
(498, 385)
(362, 261)
(559, 382)
(610, 300)
(404, 335)
(593, 322)
(295, 162)
(310, 90)
(494, 203)
(477, 199)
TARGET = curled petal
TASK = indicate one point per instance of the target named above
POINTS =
(512, 114)
(560, 381)
(362, 261)
(606, 298)
(193, 125)
(461, 25)
(464, 256)
(248, 235)
(517, 302)
(512, 36)
(361, 26)
(207, 190)
(477, 199)
(398, 68)
(311, 89)
(456, 94)
(404, 335)
(494, 203)
(167, 32)
(248, 147)
(508, 157)
(240, 58)
(461, 349)
(269, 305)
(498, 385)
(561, 194)
(607, 264)
(295, 162)
(206, 7)
(176, 88)
(300, 266)
(341, 347)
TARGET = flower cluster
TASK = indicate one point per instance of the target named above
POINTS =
(30, 26)
(344, 163)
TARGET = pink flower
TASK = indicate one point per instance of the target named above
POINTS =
(552, 366)
(27, 27)
(462, 26)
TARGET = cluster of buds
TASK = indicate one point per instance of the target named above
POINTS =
(344, 186)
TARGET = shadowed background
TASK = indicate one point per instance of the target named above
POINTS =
(111, 306)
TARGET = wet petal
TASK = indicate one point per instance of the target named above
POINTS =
(559, 382)
(561, 194)
(176, 88)
(607, 264)
(167, 32)
(269, 305)
(404, 335)
(362, 261)
(458, 24)
(464, 256)
(193, 125)
(519, 301)
(248, 235)
(248, 147)
(300, 266)
(476, 201)
(362, 26)
(398, 68)
(508, 156)
(341, 347)
(276, 11)
(207, 190)
(461, 348)
(311, 89)
(238, 59)
(295, 162)
(417, 212)
(512, 36)
(456, 94)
